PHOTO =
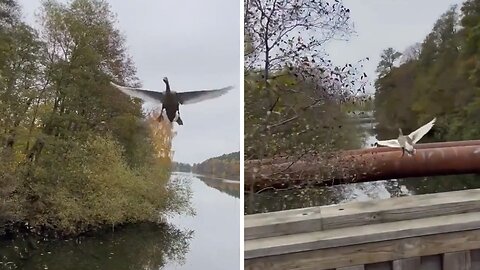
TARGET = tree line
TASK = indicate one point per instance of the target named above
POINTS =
(224, 166)
(437, 77)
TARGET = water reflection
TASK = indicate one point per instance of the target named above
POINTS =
(315, 196)
(209, 240)
(143, 246)
(216, 243)
(230, 187)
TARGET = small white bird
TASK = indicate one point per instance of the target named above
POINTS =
(407, 142)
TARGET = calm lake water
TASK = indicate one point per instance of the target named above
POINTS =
(315, 196)
(216, 240)
(208, 240)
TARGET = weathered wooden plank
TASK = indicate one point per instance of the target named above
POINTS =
(282, 222)
(259, 219)
(403, 208)
(379, 266)
(359, 235)
(406, 264)
(360, 213)
(373, 252)
(433, 262)
(356, 267)
(475, 258)
(459, 260)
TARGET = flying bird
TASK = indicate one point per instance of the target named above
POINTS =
(407, 142)
(171, 100)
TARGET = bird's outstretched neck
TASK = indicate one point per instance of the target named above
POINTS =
(165, 80)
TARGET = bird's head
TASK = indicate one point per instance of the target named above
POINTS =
(167, 85)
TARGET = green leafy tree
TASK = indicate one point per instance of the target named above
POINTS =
(388, 58)
(224, 166)
(441, 82)
(293, 92)
(76, 155)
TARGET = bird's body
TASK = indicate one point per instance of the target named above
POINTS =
(171, 100)
(171, 106)
(407, 142)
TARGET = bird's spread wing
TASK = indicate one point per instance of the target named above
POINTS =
(144, 94)
(389, 143)
(197, 96)
(421, 131)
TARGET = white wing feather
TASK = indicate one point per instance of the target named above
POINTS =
(389, 143)
(140, 93)
(421, 131)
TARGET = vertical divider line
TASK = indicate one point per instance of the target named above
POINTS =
(242, 126)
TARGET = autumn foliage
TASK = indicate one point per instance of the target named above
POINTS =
(75, 153)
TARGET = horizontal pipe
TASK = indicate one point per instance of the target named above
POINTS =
(417, 146)
(369, 165)
(425, 162)
(278, 160)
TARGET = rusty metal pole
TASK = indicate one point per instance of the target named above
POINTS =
(425, 162)
(371, 164)
(418, 146)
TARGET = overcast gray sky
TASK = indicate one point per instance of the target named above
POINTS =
(196, 44)
(380, 24)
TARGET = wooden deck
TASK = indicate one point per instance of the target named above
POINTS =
(430, 232)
